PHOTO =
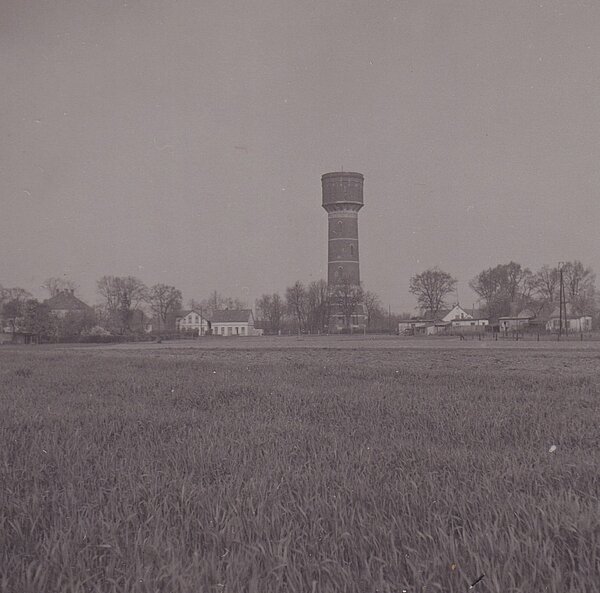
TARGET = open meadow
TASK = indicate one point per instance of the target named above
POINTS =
(351, 467)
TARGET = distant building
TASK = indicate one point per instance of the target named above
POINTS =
(513, 322)
(234, 323)
(446, 321)
(469, 324)
(66, 302)
(414, 326)
(573, 322)
(192, 321)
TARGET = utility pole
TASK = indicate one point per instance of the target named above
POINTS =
(561, 301)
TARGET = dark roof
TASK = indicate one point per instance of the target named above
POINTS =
(66, 301)
(477, 313)
(232, 316)
(440, 314)
(570, 313)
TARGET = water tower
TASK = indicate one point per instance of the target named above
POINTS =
(342, 199)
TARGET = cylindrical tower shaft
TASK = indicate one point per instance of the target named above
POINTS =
(343, 198)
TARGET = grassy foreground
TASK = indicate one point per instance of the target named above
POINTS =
(299, 470)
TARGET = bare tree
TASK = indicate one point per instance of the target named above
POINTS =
(296, 300)
(317, 305)
(217, 302)
(38, 321)
(14, 294)
(271, 309)
(164, 301)
(503, 288)
(347, 296)
(372, 307)
(431, 288)
(55, 285)
(195, 305)
(546, 281)
(12, 302)
(580, 290)
(124, 296)
(518, 281)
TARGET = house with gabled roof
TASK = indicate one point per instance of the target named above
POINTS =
(192, 321)
(442, 322)
(65, 302)
(234, 322)
(574, 322)
(514, 322)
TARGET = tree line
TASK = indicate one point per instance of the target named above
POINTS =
(306, 308)
(507, 289)
(126, 306)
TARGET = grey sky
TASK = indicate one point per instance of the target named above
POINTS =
(183, 141)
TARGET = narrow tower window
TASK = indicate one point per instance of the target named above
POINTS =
(352, 250)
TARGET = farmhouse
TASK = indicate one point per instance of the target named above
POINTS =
(514, 322)
(414, 326)
(445, 321)
(234, 323)
(192, 321)
(65, 302)
(574, 322)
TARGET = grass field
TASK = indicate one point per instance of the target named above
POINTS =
(380, 469)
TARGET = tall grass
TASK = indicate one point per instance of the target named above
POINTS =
(299, 471)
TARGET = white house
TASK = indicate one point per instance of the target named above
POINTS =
(234, 323)
(445, 320)
(469, 323)
(457, 312)
(192, 321)
(573, 322)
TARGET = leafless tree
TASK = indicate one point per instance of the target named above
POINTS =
(317, 304)
(431, 288)
(296, 300)
(217, 302)
(12, 305)
(14, 294)
(271, 309)
(546, 281)
(55, 285)
(503, 288)
(347, 296)
(123, 296)
(372, 307)
(580, 290)
(164, 301)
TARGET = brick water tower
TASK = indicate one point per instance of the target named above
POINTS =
(343, 198)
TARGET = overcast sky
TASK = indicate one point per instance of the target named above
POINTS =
(183, 141)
